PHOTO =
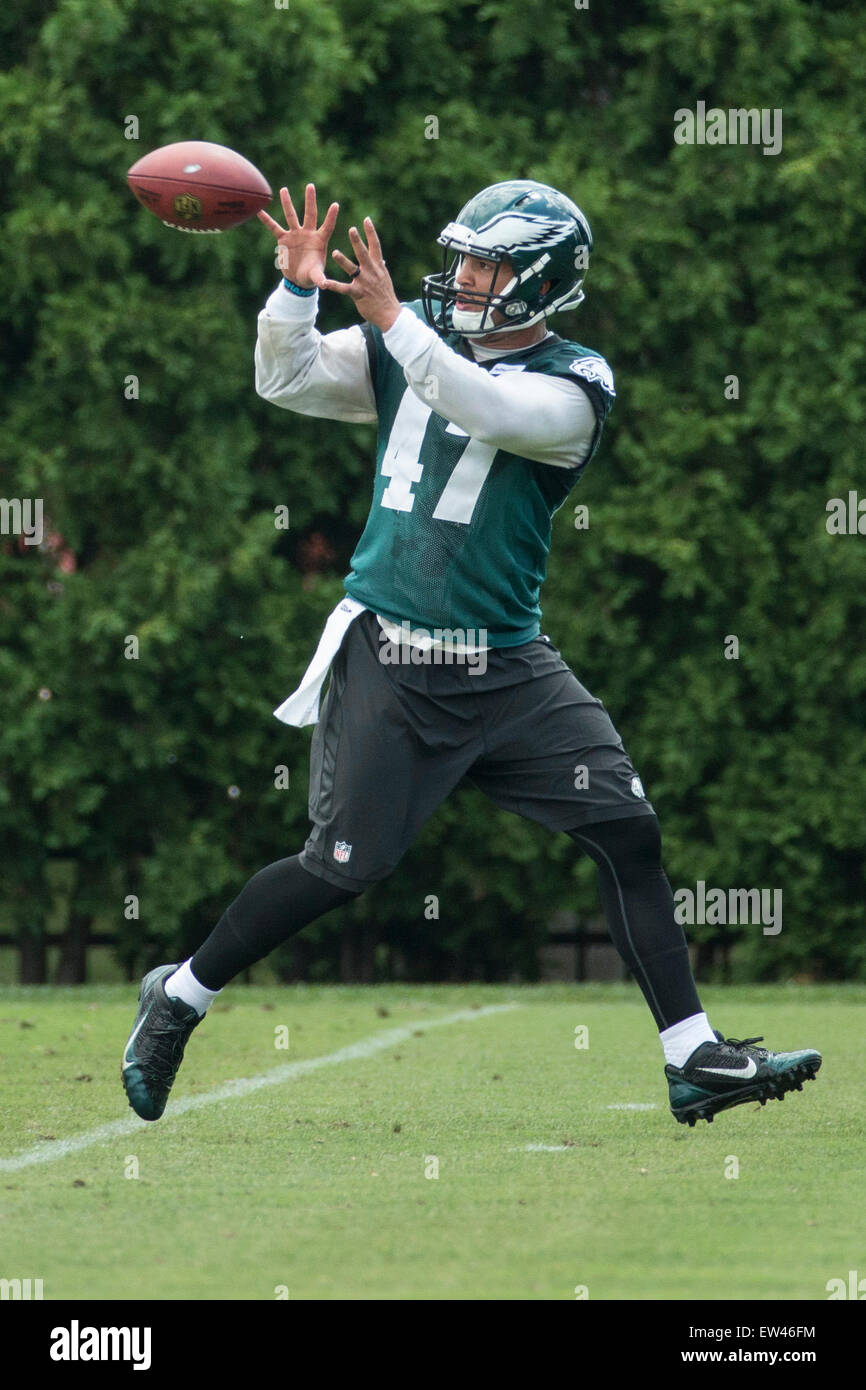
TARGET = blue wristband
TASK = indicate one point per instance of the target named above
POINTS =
(296, 289)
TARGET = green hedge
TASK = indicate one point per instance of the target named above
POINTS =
(707, 514)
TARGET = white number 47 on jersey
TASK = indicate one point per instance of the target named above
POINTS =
(401, 464)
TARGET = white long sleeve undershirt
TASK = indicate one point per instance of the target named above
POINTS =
(545, 418)
(300, 369)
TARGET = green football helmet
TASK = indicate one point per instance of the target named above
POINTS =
(542, 233)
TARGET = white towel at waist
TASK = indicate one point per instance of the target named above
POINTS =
(302, 707)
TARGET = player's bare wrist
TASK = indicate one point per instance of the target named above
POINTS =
(388, 317)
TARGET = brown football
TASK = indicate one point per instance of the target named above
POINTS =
(196, 186)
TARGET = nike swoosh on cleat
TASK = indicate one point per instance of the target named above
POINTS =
(127, 1060)
(745, 1074)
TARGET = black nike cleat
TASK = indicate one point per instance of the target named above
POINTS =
(154, 1049)
(730, 1072)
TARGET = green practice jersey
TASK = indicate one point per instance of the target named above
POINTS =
(459, 531)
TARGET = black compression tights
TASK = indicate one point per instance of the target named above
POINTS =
(639, 907)
(276, 903)
(284, 898)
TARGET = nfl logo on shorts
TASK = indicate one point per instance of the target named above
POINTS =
(342, 850)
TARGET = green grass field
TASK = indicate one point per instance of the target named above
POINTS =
(319, 1185)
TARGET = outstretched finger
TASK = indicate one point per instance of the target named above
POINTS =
(271, 225)
(373, 238)
(330, 221)
(344, 262)
(292, 222)
(311, 215)
(361, 253)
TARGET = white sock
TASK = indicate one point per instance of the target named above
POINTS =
(680, 1041)
(184, 985)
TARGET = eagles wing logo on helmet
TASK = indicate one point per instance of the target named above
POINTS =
(523, 231)
(594, 369)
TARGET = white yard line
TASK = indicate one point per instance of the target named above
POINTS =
(50, 1150)
(561, 1148)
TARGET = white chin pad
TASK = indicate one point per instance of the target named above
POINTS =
(468, 320)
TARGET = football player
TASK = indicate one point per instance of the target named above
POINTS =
(438, 667)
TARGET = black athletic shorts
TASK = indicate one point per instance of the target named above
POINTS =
(393, 740)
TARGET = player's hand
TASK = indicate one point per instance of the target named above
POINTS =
(303, 246)
(370, 286)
